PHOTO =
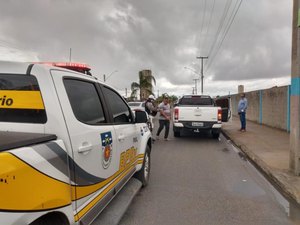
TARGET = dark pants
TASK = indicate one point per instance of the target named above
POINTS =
(162, 124)
(243, 120)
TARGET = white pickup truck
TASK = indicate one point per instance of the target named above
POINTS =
(68, 144)
(197, 113)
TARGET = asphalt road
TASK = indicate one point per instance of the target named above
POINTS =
(199, 180)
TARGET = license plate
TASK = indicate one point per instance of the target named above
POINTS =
(197, 124)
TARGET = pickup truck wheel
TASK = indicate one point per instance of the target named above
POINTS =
(144, 174)
(215, 135)
(176, 133)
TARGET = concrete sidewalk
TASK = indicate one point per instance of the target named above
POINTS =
(268, 149)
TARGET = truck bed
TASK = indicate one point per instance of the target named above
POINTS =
(10, 140)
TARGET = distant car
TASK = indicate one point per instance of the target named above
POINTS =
(137, 106)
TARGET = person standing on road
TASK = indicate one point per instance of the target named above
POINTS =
(242, 107)
(164, 118)
(151, 109)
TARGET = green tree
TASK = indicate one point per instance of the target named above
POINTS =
(172, 98)
(145, 84)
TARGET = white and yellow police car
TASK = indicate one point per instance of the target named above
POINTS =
(68, 144)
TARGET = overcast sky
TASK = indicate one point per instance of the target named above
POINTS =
(247, 43)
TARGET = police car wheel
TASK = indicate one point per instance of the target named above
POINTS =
(144, 174)
(51, 219)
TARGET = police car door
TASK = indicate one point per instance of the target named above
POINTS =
(94, 164)
(128, 135)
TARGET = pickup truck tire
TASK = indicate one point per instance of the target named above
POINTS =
(176, 133)
(215, 135)
(144, 174)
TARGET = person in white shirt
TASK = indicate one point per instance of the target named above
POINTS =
(164, 118)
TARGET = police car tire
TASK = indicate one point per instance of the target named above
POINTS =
(144, 173)
(51, 219)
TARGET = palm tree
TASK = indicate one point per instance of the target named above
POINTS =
(145, 85)
(172, 98)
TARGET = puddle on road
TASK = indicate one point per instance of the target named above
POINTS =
(291, 209)
(248, 189)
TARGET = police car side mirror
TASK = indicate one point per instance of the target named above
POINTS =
(141, 117)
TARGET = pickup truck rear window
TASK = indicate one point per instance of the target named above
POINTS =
(196, 100)
(20, 99)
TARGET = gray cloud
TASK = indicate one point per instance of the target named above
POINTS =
(164, 36)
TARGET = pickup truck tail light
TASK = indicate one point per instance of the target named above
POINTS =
(176, 114)
(219, 114)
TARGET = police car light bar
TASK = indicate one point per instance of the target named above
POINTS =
(78, 67)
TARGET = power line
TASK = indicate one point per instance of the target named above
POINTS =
(231, 19)
(6, 44)
(202, 25)
(222, 20)
(209, 22)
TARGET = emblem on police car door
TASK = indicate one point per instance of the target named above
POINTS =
(106, 149)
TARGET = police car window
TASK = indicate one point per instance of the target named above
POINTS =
(21, 100)
(121, 113)
(85, 101)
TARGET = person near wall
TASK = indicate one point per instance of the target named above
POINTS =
(164, 118)
(242, 107)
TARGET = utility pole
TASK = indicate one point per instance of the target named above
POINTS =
(295, 93)
(126, 92)
(104, 78)
(202, 76)
(70, 58)
(195, 85)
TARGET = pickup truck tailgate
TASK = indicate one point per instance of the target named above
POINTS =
(203, 114)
